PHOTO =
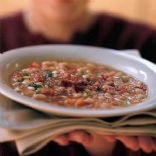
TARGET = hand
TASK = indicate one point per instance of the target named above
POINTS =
(147, 144)
(101, 144)
(93, 143)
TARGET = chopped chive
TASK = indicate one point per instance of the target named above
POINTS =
(25, 74)
(82, 72)
(48, 73)
(36, 86)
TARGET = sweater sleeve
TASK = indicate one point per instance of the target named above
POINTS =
(141, 37)
(121, 34)
(11, 32)
(1, 38)
(3, 34)
(148, 48)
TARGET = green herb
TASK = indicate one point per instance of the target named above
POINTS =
(93, 81)
(82, 72)
(48, 73)
(36, 86)
(25, 74)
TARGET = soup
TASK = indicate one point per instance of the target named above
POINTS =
(79, 85)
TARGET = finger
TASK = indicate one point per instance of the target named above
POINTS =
(62, 140)
(80, 136)
(146, 144)
(109, 138)
(130, 142)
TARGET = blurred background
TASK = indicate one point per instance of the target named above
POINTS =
(138, 10)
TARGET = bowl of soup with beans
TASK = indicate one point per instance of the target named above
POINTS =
(78, 81)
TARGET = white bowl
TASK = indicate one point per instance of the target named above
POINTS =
(137, 67)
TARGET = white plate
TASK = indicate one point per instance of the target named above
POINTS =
(137, 67)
